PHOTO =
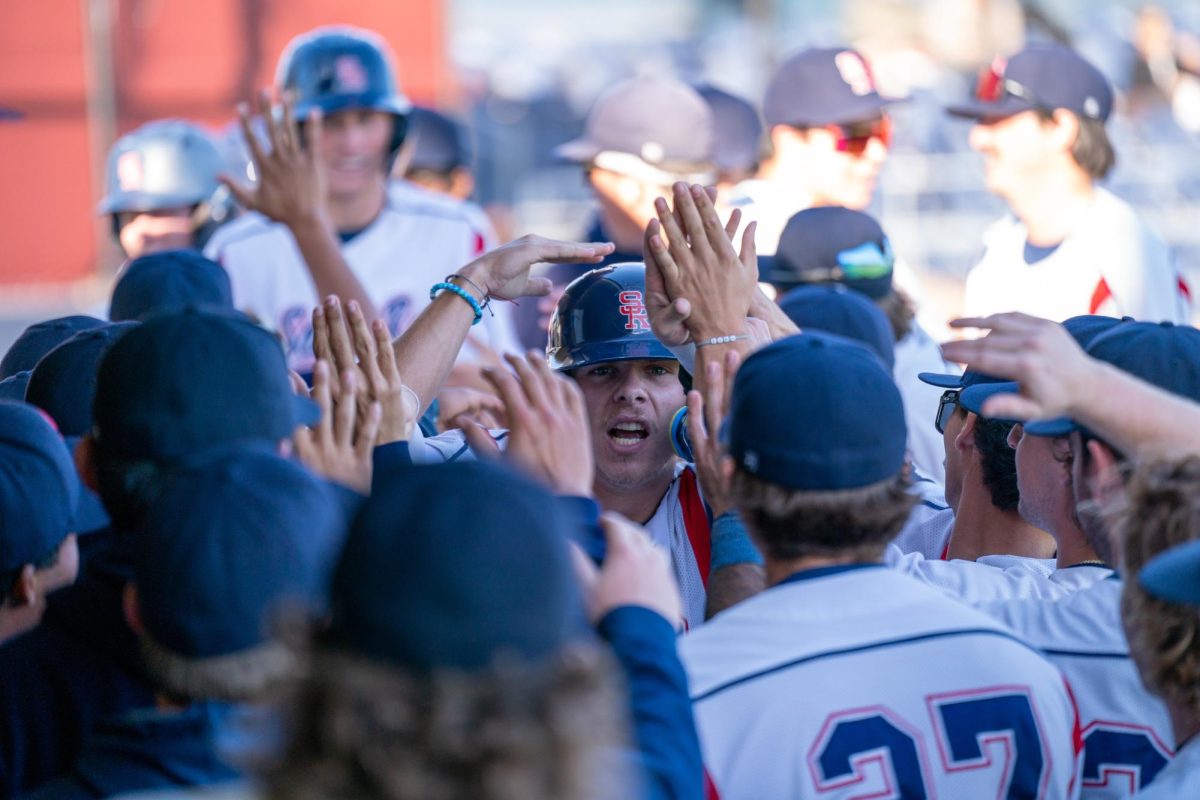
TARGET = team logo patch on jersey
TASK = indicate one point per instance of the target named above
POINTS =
(395, 314)
(131, 173)
(351, 76)
(634, 310)
(854, 72)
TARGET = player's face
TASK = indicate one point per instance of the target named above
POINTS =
(1015, 151)
(1043, 478)
(354, 147)
(954, 466)
(630, 404)
(626, 204)
(144, 232)
(837, 165)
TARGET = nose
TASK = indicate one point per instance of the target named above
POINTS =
(876, 151)
(1014, 436)
(631, 388)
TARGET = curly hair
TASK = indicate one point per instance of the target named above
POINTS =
(1161, 510)
(900, 310)
(791, 524)
(368, 730)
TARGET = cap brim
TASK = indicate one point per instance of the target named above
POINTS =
(1060, 426)
(943, 380)
(978, 109)
(973, 397)
(580, 150)
(1174, 576)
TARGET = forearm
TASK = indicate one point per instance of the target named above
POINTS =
(426, 351)
(1135, 417)
(330, 273)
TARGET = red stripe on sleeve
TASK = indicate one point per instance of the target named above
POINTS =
(695, 520)
(1100, 295)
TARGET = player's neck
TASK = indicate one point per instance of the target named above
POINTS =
(981, 529)
(357, 211)
(779, 570)
(1074, 550)
(1184, 722)
(18, 620)
(637, 503)
(1053, 208)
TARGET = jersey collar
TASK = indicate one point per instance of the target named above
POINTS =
(824, 572)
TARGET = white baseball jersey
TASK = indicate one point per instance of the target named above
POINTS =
(1127, 737)
(916, 353)
(981, 582)
(1180, 780)
(930, 523)
(858, 682)
(680, 525)
(1111, 264)
(416, 241)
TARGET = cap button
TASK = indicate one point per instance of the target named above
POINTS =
(652, 152)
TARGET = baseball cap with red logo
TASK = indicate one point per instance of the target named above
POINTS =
(823, 86)
(1041, 77)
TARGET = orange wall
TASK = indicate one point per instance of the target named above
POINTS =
(169, 58)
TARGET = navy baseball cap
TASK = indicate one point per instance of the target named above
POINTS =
(38, 487)
(972, 386)
(41, 338)
(1174, 575)
(231, 537)
(1159, 353)
(816, 412)
(1043, 77)
(169, 281)
(182, 382)
(13, 387)
(823, 86)
(427, 580)
(63, 383)
(836, 309)
(737, 129)
(661, 121)
(832, 244)
(435, 141)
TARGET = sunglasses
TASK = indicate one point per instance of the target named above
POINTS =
(992, 86)
(946, 406)
(855, 137)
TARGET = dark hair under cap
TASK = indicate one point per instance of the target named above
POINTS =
(452, 565)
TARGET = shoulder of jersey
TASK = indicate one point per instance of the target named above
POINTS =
(409, 199)
(247, 226)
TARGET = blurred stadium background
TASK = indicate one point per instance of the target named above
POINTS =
(75, 74)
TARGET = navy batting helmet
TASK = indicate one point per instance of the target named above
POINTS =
(601, 317)
(340, 68)
(167, 164)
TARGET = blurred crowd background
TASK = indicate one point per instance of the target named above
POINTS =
(521, 76)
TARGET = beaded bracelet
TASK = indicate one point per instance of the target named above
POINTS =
(486, 302)
(733, 337)
(461, 292)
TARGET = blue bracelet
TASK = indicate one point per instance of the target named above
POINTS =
(461, 292)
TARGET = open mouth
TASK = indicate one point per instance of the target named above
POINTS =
(628, 434)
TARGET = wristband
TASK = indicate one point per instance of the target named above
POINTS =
(731, 543)
(733, 337)
(461, 292)
(486, 302)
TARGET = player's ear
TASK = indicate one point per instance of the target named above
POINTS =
(1103, 469)
(965, 440)
(23, 591)
(1066, 129)
(85, 462)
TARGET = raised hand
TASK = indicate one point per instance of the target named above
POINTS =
(339, 447)
(549, 437)
(290, 186)
(1051, 368)
(352, 346)
(698, 264)
(706, 411)
(504, 272)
